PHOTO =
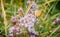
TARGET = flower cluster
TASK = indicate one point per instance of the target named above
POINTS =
(57, 21)
(14, 31)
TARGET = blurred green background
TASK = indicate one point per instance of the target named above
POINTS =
(50, 10)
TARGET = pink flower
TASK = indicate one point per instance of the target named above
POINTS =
(57, 21)
(14, 31)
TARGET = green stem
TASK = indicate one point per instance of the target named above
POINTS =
(4, 17)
